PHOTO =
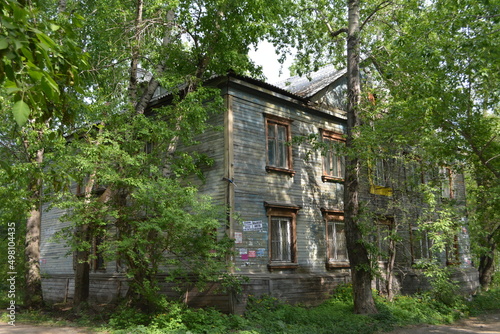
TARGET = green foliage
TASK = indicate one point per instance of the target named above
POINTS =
(126, 317)
(38, 60)
(488, 301)
(443, 288)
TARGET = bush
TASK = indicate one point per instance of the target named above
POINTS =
(128, 317)
(486, 301)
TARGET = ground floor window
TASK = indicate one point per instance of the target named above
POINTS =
(281, 239)
(282, 235)
(336, 246)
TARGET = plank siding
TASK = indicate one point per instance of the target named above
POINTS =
(256, 185)
(239, 155)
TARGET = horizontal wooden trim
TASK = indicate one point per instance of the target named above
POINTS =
(332, 135)
(290, 172)
(283, 206)
(328, 178)
(280, 265)
(337, 264)
(278, 119)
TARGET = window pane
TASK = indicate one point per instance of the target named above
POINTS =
(275, 240)
(335, 165)
(282, 155)
(331, 240)
(281, 239)
(271, 152)
(341, 247)
(271, 130)
(281, 132)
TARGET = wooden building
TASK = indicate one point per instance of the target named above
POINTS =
(287, 195)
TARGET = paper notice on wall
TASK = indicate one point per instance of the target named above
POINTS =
(238, 237)
(252, 253)
(252, 226)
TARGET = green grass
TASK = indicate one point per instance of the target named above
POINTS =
(267, 315)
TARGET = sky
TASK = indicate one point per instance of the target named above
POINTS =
(266, 57)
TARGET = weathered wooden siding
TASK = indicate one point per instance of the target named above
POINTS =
(54, 257)
(255, 185)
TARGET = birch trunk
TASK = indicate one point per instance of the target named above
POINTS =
(33, 292)
(358, 254)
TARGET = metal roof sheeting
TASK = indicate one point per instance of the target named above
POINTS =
(309, 85)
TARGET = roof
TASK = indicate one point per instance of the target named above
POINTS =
(309, 85)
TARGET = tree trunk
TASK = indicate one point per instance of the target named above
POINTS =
(82, 270)
(487, 267)
(358, 254)
(33, 291)
(389, 275)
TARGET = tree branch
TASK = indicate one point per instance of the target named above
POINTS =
(381, 6)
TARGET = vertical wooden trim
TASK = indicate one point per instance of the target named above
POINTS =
(229, 162)
(229, 174)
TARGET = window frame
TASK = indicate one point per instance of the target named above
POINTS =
(287, 211)
(421, 245)
(327, 176)
(446, 176)
(287, 124)
(330, 216)
(380, 170)
(383, 228)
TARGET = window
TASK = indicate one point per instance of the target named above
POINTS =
(446, 182)
(383, 231)
(278, 139)
(96, 255)
(453, 253)
(333, 162)
(420, 245)
(281, 239)
(380, 177)
(282, 235)
(336, 247)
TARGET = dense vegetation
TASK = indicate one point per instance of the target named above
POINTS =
(267, 315)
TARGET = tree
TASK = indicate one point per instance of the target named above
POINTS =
(449, 103)
(152, 44)
(358, 255)
(318, 43)
(36, 72)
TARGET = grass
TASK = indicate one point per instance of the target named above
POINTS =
(266, 315)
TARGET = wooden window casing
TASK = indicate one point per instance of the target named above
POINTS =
(336, 247)
(446, 183)
(96, 257)
(383, 229)
(333, 163)
(282, 235)
(420, 245)
(278, 147)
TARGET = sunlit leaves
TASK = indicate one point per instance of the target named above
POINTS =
(37, 58)
(21, 112)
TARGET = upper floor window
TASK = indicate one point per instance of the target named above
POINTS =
(380, 177)
(446, 183)
(333, 160)
(278, 148)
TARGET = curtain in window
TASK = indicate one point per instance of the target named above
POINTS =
(281, 239)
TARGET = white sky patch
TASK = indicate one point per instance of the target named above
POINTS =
(266, 56)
